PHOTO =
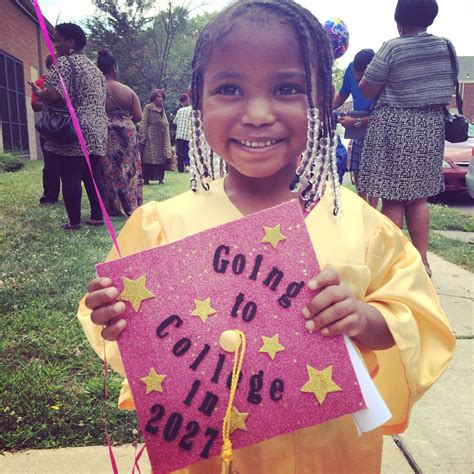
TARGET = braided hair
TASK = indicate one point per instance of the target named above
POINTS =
(315, 51)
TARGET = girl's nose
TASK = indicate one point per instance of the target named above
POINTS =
(258, 112)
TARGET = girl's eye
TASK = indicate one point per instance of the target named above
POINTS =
(229, 90)
(288, 89)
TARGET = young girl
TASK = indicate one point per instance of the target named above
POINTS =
(262, 85)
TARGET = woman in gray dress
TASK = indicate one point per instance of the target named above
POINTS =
(403, 148)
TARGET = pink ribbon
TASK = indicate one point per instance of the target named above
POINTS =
(106, 414)
(77, 127)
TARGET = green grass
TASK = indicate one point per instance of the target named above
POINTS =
(50, 379)
(444, 218)
(455, 251)
(10, 162)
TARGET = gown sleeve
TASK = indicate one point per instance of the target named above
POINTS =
(424, 343)
(142, 231)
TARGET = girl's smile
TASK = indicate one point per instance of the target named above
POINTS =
(254, 100)
(257, 146)
(259, 143)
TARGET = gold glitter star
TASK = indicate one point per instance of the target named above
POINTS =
(320, 383)
(237, 420)
(203, 309)
(273, 235)
(135, 292)
(271, 346)
(153, 381)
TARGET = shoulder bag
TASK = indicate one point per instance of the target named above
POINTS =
(456, 125)
(55, 124)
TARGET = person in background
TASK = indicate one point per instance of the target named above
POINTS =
(86, 88)
(123, 181)
(51, 181)
(155, 138)
(182, 121)
(404, 145)
(350, 86)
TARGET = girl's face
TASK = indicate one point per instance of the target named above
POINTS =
(254, 101)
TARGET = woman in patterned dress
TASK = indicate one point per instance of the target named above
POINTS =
(122, 166)
(403, 148)
(86, 88)
(155, 138)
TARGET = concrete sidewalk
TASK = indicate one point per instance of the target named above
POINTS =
(438, 440)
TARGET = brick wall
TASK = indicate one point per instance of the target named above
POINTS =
(19, 38)
(467, 94)
(468, 100)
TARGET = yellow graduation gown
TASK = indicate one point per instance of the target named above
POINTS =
(381, 267)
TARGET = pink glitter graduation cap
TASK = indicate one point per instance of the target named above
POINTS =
(249, 275)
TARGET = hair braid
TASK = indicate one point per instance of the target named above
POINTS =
(323, 162)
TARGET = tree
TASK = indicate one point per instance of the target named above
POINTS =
(118, 26)
(337, 76)
(153, 47)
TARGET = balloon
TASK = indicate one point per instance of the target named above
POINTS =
(338, 35)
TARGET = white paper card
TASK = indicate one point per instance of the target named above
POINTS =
(377, 412)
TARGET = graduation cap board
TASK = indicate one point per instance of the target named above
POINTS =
(184, 301)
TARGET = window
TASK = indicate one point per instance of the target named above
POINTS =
(13, 104)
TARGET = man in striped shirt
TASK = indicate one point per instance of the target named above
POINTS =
(182, 121)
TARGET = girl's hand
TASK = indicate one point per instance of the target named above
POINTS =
(106, 310)
(334, 310)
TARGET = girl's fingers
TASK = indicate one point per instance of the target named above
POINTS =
(106, 310)
(327, 297)
(101, 297)
(99, 284)
(112, 331)
(326, 278)
(105, 314)
(334, 313)
(350, 326)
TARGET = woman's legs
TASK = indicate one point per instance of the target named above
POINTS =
(146, 173)
(417, 219)
(96, 212)
(152, 171)
(372, 200)
(393, 210)
(70, 171)
(417, 216)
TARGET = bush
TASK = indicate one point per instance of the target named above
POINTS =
(10, 163)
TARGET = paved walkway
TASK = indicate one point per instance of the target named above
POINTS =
(457, 235)
(438, 440)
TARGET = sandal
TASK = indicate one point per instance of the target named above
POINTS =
(68, 226)
(94, 222)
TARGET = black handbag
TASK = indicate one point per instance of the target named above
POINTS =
(55, 124)
(456, 126)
